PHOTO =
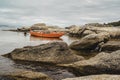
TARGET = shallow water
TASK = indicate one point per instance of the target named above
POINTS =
(11, 40)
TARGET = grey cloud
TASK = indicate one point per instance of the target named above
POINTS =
(58, 12)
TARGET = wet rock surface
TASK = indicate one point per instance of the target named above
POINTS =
(53, 71)
(5, 78)
(96, 77)
(100, 64)
(54, 52)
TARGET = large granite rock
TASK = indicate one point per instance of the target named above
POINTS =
(87, 29)
(90, 41)
(79, 31)
(88, 32)
(43, 26)
(113, 31)
(96, 77)
(24, 75)
(103, 63)
(111, 46)
(39, 26)
(98, 25)
(54, 52)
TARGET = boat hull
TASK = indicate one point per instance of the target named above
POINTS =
(47, 35)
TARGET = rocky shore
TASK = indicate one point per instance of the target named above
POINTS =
(55, 53)
(104, 65)
(81, 31)
(38, 26)
(97, 77)
(24, 75)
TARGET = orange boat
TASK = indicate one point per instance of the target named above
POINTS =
(46, 34)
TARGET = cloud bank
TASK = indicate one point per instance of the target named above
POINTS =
(58, 12)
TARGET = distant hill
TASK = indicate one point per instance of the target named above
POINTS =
(117, 23)
(4, 26)
(7, 26)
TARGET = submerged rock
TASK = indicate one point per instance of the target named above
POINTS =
(25, 75)
(103, 63)
(96, 77)
(90, 41)
(54, 52)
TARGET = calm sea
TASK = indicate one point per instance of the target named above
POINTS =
(11, 40)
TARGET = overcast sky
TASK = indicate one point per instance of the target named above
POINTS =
(58, 12)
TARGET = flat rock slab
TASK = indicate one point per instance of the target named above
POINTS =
(54, 52)
(25, 75)
(111, 46)
(96, 77)
(103, 63)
